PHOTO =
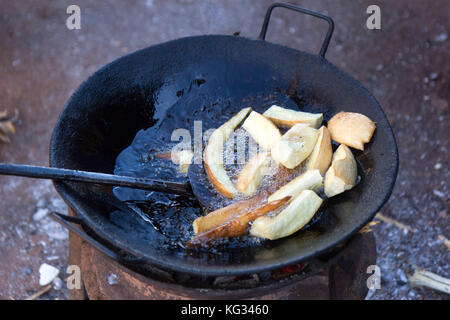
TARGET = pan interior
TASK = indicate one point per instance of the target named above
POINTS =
(172, 215)
(148, 94)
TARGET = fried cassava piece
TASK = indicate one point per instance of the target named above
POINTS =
(237, 226)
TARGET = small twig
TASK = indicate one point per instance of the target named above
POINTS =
(45, 289)
(164, 155)
(368, 227)
(396, 223)
(6, 126)
(4, 116)
(430, 280)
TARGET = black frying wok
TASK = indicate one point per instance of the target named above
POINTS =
(214, 76)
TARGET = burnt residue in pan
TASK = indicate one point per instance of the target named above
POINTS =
(170, 215)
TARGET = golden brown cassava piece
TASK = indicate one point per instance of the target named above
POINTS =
(295, 145)
(6, 126)
(213, 156)
(223, 215)
(341, 176)
(321, 156)
(297, 214)
(288, 118)
(237, 226)
(351, 129)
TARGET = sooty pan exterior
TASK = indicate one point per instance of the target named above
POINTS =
(136, 91)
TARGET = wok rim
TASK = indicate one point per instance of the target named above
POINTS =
(216, 270)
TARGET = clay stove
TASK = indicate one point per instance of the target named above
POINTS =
(339, 274)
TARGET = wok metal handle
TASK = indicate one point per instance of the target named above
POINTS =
(330, 21)
(66, 222)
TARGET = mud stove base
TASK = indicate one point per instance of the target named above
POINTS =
(340, 274)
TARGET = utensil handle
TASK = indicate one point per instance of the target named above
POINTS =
(93, 177)
(330, 21)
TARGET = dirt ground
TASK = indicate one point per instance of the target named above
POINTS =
(405, 65)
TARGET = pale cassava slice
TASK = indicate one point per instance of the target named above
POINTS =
(297, 214)
(342, 174)
(310, 180)
(213, 156)
(295, 145)
(262, 130)
(321, 156)
(352, 129)
(289, 118)
(252, 174)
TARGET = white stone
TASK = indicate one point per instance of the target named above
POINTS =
(41, 203)
(40, 214)
(112, 279)
(438, 193)
(47, 274)
(441, 37)
(58, 284)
